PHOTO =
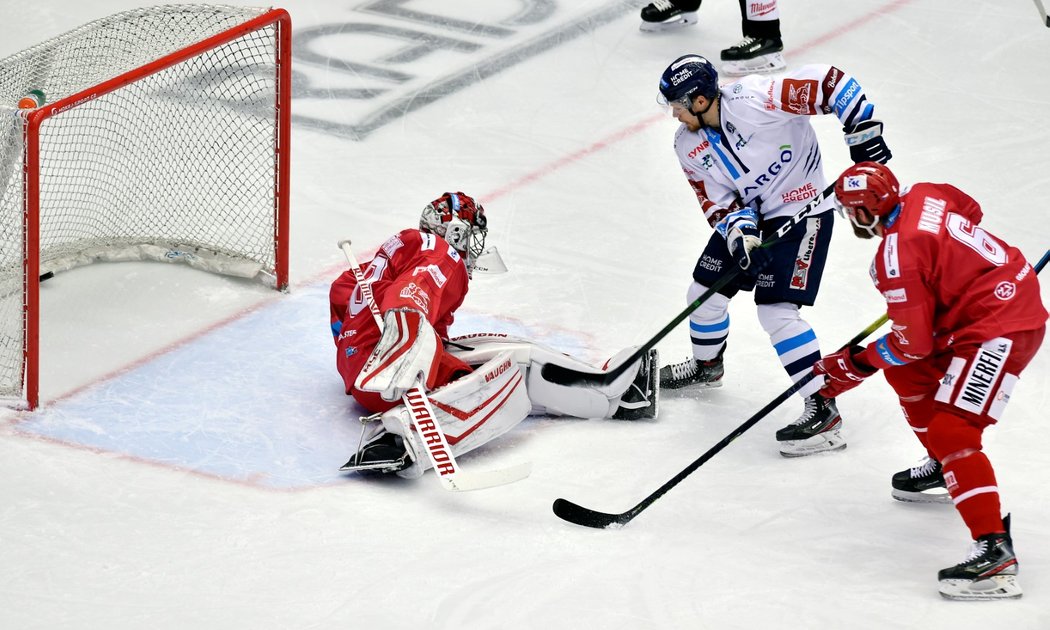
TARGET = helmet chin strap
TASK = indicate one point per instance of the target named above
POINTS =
(700, 115)
(869, 227)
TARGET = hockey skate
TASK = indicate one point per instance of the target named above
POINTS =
(384, 453)
(753, 55)
(815, 431)
(640, 399)
(990, 571)
(693, 372)
(921, 484)
(662, 15)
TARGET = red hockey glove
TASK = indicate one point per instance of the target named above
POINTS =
(843, 371)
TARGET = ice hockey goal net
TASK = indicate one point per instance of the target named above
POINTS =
(164, 135)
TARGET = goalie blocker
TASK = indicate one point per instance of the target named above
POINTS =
(507, 385)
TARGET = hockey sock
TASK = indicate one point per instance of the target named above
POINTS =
(708, 324)
(918, 414)
(794, 340)
(968, 473)
(971, 483)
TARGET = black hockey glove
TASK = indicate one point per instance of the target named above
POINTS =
(866, 143)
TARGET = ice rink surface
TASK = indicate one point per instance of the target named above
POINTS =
(183, 472)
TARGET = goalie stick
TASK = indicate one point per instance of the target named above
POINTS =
(575, 513)
(424, 420)
(568, 376)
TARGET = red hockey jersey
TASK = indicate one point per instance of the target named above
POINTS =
(947, 281)
(413, 270)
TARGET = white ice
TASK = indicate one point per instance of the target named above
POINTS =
(183, 470)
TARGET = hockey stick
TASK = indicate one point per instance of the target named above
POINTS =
(569, 511)
(423, 418)
(1042, 13)
(568, 376)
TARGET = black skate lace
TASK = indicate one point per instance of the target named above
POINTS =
(924, 469)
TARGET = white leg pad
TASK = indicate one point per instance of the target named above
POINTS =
(471, 411)
(581, 401)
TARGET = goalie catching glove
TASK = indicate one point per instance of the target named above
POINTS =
(407, 351)
(744, 240)
(844, 371)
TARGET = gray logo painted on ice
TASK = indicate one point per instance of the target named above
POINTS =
(351, 78)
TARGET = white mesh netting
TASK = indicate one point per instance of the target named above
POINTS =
(178, 165)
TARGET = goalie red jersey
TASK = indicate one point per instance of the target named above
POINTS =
(412, 270)
(946, 280)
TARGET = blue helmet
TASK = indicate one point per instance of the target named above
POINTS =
(686, 78)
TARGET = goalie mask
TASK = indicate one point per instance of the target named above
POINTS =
(461, 221)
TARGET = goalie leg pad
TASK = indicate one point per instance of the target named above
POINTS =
(470, 411)
(580, 401)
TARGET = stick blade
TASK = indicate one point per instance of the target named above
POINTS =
(579, 515)
(465, 481)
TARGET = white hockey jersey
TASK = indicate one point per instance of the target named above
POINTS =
(765, 155)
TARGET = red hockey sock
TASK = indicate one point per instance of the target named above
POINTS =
(971, 483)
(918, 413)
(967, 472)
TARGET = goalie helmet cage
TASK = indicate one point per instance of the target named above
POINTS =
(165, 135)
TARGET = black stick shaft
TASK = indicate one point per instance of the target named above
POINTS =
(568, 376)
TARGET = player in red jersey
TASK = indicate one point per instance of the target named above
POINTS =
(967, 317)
(480, 387)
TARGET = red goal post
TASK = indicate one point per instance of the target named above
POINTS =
(165, 135)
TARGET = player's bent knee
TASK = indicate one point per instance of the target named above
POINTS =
(949, 434)
(776, 317)
(713, 308)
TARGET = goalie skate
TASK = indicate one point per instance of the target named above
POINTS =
(385, 453)
(641, 398)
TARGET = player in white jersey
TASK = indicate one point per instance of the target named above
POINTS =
(751, 155)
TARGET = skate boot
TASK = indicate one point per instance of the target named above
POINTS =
(640, 399)
(384, 453)
(693, 372)
(921, 484)
(662, 15)
(815, 431)
(990, 571)
(751, 55)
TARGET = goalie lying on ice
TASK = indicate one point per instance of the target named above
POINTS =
(482, 387)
